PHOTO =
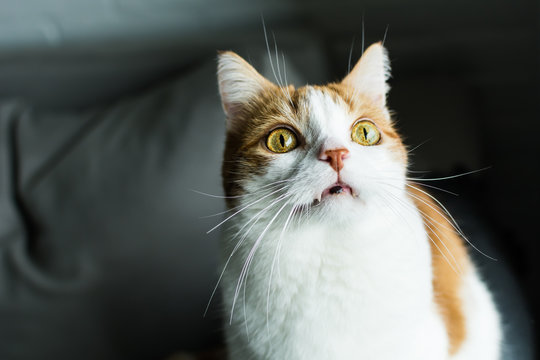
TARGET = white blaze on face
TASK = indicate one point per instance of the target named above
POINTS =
(331, 119)
(366, 168)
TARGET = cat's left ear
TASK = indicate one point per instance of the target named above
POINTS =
(239, 83)
(369, 75)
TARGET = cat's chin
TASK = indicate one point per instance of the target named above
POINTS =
(336, 210)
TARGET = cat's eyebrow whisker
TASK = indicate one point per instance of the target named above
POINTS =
(280, 82)
(268, 50)
(451, 176)
(385, 33)
(363, 33)
(350, 56)
(286, 82)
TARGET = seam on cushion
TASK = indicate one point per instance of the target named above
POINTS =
(20, 235)
(63, 150)
(9, 167)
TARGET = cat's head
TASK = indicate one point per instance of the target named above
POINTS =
(328, 150)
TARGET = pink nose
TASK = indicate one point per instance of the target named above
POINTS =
(334, 157)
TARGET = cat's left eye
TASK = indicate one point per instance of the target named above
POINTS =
(364, 132)
(281, 140)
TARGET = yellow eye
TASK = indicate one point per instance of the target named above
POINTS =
(281, 140)
(365, 133)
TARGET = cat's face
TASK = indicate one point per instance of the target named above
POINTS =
(328, 150)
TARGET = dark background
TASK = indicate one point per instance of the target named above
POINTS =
(465, 89)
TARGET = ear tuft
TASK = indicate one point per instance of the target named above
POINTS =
(369, 75)
(238, 82)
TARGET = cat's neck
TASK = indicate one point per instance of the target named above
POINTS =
(342, 279)
(380, 244)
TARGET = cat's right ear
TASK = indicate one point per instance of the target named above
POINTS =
(239, 83)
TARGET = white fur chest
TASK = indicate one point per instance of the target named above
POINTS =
(359, 291)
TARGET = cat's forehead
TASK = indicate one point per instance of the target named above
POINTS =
(328, 109)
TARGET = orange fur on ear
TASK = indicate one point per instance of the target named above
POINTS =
(238, 82)
(449, 262)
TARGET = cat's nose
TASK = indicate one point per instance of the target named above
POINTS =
(334, 157)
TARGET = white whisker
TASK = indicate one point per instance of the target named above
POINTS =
(452, 176)
(350, 56)
(276, 253)
(268, 50)
(417, 146)
(385, 32)
(215, 196)
(453, 223)
(242, 209)
(424, 217)
(433, 187)
(256, 217)
(243, 273)
(280, 82)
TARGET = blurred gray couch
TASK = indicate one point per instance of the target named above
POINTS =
(109, 119)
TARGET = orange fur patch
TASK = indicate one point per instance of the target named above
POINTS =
(244, 151)
(449, 261)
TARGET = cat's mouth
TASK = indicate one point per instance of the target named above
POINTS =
(334, 190)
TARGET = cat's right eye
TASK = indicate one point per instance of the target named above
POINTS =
(281, 140)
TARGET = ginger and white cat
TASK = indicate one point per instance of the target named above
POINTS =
(331, 253)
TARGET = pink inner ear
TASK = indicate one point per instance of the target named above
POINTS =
(231, 109)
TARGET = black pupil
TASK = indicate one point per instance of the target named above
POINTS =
(282, 140)
(365, 133)
(336, 190)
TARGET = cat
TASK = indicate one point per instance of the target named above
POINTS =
(331, 253)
